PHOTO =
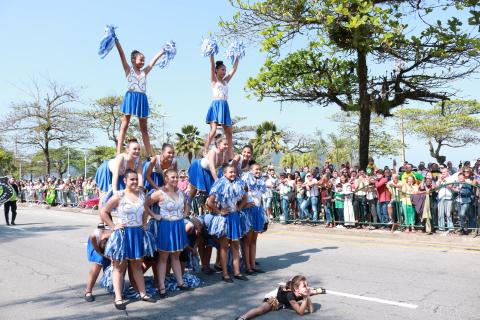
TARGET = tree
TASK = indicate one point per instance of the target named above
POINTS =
(346, 50)
(189, 142)
(453, 124)
(307, 160)
(241, 133)
(48, 118)
(268, 139)
(7, 162)
(97, 155)
(382, 142)
(60, 158)
(105, 116)
(288, 159)
(299, 143)
(340, 149)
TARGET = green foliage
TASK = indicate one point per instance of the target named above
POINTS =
(382, 142)
(189, 142)
(339, 42)
(307, 159)
(96, 156)
(288, 160)
(7, 163)
(268, 139)
(453, 124)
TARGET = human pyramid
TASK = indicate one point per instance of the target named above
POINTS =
(155, 226)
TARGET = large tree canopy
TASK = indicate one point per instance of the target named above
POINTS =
(361, 55)
(453, 124)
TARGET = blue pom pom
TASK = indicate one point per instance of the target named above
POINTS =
(234, 51)
(209, 47)
(170, 50)
(108, 41)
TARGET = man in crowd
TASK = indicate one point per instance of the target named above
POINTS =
(11, 204)
(384, 196)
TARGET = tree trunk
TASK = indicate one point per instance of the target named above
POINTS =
(46, 154)
(365, 112)
(435, 152)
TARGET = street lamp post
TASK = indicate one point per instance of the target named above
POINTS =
(68, 161)
(85, 164)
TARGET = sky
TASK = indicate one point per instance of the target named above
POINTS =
(59, 40)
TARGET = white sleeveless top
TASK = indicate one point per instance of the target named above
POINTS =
(129, 212)
(124, 166)
(170, 209)
(220, 91)
(241, 170)
(136, 82)
(158, 166)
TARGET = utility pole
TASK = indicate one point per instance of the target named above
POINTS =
(402, 133)
(68, 161)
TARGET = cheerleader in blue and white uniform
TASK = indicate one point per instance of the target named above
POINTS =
(171, 234)
(227, 197)
(153, 169)
(244, 160)
(203, 173)
(109, 176)
(135, 101)
(219, 111)
(255, 185)
(95, 252)
(126, 246)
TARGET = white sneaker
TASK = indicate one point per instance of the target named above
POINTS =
(339, 226)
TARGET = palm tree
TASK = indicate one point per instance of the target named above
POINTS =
(267, 139)
(288, 160)
(189, 142)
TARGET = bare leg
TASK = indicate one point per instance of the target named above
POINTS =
(136, 266)
(247, 242)
(131, 277)
(162, 269)
(228, 134)
(211, 135)
(253, 250)
(123, 132)
(118, 276)
(92, 277)
(177, 269)
(223, 255)
(145, 137)
(258, 311)
(235, 245)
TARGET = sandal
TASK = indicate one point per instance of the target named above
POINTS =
(227, 279)
(164, 294)
(250, 272)
(240, 277)
(184, 287)
(121, 305)
(89, 297)
(148, 298)
(258, 270)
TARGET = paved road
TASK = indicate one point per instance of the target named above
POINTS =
(44, 267)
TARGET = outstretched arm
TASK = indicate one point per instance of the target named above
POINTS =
(126, 66)
(153, 61)
(233, 70)
(213, 75)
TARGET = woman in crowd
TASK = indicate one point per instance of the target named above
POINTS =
(153, 169)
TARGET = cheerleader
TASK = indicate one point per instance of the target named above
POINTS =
(95, 253)
(202, 173)
(255, 185)
(226, 198)
(287, 297)
(219, 112)
(109, 175)
(135, 101)
(171, 235)
(153, 169)
(126, 245)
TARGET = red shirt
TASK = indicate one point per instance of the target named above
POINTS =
(383, 192)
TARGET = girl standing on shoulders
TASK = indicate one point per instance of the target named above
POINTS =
(153, 169)
(219, 111)
(135, 101)
(171, 235)
(126, 244)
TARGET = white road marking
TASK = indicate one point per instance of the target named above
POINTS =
(390, 302)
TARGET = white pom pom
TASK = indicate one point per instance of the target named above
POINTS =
(204, 163)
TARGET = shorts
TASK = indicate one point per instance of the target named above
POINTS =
(268, 202)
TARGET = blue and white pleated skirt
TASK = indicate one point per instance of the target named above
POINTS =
(103, 178)
(219, 112)
(126, 244)
(199, 177)
(256, 217)
(226, 226)
(172, 236)
(245, 224)
(95, 257)
(135, 103)
(155, 176)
